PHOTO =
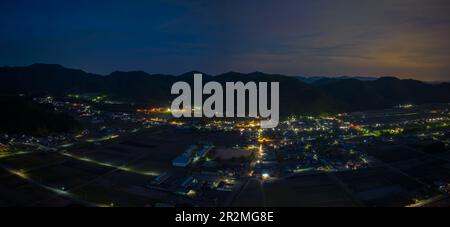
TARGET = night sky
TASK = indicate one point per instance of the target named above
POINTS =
(403, 38)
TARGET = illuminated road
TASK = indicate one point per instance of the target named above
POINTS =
(67, 194)
(74, 197)
(427, 201)
(122, 167)
(15, 154)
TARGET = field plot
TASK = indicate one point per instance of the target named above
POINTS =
(54, 202)
(395, 154)
(18, 192)
(426, 170)
(28, 162)
(307, 190)
(383, 186)
(71, 173)
(106, 192)
(251, 196)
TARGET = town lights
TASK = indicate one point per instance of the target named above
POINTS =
(257, 101)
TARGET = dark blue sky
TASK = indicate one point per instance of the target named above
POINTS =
(404, 38)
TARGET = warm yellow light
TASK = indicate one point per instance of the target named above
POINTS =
(264, 140)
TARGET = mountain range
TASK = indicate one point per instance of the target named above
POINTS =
(297, 94)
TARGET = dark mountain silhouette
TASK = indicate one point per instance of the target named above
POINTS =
(295, 96)
(322, 96)
(385, 92)
(22, 115)
(319, 80)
